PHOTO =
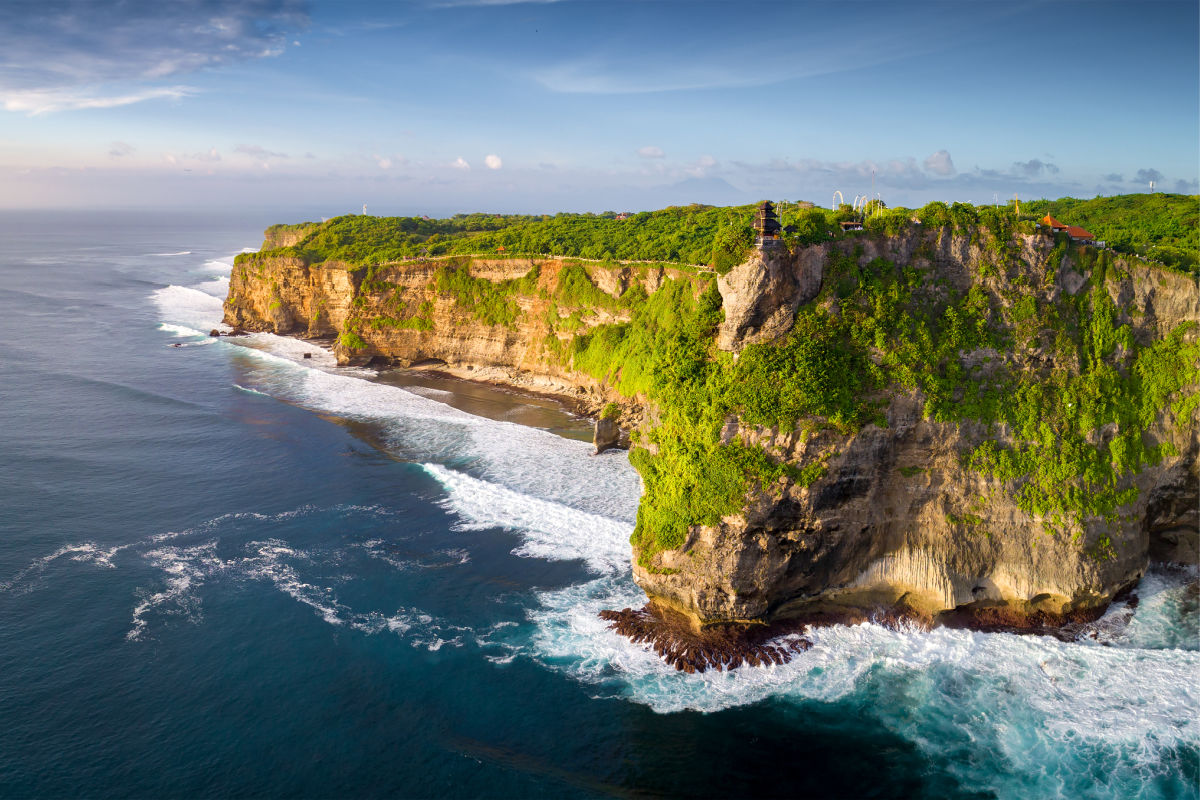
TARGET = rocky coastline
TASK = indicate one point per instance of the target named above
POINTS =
(896, 528)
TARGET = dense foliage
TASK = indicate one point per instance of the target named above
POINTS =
(876, 330)
(1163, 227)
(898, 329)
(695, 235)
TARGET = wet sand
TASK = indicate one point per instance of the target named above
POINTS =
(493, 402)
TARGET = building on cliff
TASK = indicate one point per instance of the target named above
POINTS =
(1076, 233)
(1054, 225)
(766, 226)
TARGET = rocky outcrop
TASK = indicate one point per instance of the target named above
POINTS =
(607, 434)
(899, 521)
(760, 296)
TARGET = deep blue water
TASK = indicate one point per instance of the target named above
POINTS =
(229, 570)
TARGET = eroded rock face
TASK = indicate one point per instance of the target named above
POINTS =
(760, 296)
(898, 521)
(607, 435)
(403, 320)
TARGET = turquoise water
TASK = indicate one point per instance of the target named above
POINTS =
(226, 569)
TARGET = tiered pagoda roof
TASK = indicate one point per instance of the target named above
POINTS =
(766, 223)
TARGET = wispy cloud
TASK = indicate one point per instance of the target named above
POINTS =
(633, 58)
(211, 155)
(258, 151)
(650, 151)
(44, 101)
(1147, 175)
(904, 178)
(460, 163)
(120, 149)
(60, 55)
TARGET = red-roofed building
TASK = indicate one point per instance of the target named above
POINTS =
(1078, 234)
(1054, 224)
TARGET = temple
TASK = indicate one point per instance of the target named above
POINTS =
(766, 225)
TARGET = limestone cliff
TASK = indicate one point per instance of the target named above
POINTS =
(396, 314)
(900, 519)
(894, 513)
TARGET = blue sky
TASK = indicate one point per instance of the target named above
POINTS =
(455, 105)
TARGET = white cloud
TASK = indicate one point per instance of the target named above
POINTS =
(120, 149)
(460, 163)
(940, 163)
(60, 44)
(43, 101)
(383, 161)
(650, 151)
(211, 155)
(493, 162)
(707, 161)
(257, 151)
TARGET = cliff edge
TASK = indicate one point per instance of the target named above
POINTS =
(961, 425)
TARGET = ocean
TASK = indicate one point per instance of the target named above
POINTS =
(230, 570)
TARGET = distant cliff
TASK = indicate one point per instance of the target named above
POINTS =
(502, 319)
(1003, 428)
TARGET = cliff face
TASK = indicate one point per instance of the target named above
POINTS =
(899, 515)
(900, 520)
(400, 315)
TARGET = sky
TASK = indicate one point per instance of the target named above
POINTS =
(441, 106)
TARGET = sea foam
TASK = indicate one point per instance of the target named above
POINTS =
(1019, 716)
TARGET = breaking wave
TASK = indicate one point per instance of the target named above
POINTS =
(1112, 715)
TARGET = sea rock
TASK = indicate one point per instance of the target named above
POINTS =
(607, 434)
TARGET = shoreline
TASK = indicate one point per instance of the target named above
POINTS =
(546, 393)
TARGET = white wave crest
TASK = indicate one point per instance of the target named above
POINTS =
(180, 330)
(192, 308)
(1032, 711)
(549, 530)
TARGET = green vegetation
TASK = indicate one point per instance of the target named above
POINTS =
(1070, 425)
(610, 411)
(897, 330)
(1163, 227)
(351, 340)
(492, 303)
(680, 235)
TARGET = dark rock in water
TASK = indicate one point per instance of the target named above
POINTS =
(214, 332)
(177, 344)
(719, 647)
(607, 434)
(234, 332)
(308, 355)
